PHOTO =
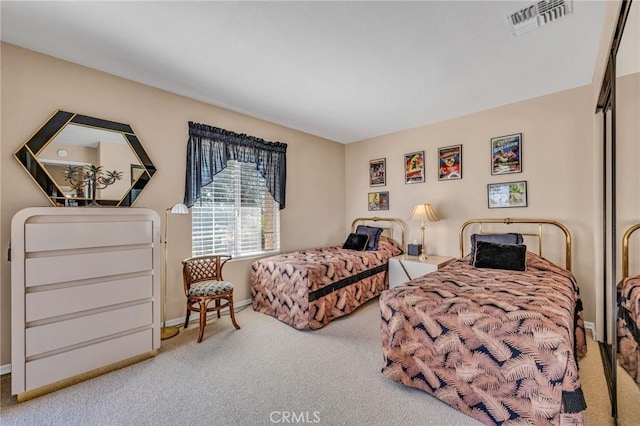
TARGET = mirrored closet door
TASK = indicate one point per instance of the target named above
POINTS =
(619, 111)
(627, 188)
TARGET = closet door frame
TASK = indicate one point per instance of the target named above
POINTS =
(606, 104)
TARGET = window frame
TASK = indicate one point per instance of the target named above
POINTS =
(239, 171)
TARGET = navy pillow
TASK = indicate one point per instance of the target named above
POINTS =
(356, 242)
(510, 238)
(373, 233)
(500, 256)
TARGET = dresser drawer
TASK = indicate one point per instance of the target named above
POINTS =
(61, 334)
(71, 363)
(55, 236)
(73, 267)
(69, 300)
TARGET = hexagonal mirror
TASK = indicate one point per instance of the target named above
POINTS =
(79, 160)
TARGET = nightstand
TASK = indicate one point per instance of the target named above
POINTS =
(405, 268)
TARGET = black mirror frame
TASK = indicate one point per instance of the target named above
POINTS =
(27, 156)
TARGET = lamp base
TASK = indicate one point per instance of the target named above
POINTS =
(423, 257)
(169, 332)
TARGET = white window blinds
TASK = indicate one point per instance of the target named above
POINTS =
(236, 214)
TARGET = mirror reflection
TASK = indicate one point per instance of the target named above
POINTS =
(78, 160)
(628, 201)
(81, 147)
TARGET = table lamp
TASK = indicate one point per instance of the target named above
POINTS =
(423, 213)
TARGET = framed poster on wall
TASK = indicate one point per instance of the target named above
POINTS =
(507, 194)
(506, 154)
(378, 172)
(450, 162)
(378, 201)
(414, 167)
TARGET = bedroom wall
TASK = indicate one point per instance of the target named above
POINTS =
(558, 165)
(33, 86)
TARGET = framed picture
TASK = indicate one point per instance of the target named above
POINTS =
(450, 162)
(508, 194)
(378, 172)
(378, 200)
(506, 154)
(414, 167)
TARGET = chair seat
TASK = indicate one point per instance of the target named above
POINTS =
(210, 288)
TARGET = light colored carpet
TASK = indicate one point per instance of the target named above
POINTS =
(596, 392)
(628, 400)
(252, 376)
(257, 376)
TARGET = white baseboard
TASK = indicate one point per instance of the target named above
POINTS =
(591, 326)
(6, 369)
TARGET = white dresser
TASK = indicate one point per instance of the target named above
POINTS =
(405, 268)
(85, 293)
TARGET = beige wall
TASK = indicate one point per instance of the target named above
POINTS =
(558, 161)
(34, 86)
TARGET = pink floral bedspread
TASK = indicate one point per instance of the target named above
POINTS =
(307, 289)
(629, 326)
(500, 346)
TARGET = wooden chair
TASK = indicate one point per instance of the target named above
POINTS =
(203, 283)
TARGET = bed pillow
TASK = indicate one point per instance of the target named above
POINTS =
(356, 242)
(500, 256)
(390, 246)
(373, 233)
(510, 238)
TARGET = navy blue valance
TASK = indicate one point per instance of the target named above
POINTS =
(210, 148)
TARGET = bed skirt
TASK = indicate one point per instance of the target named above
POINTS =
(306, 301)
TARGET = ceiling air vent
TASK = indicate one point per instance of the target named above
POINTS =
(538, 14)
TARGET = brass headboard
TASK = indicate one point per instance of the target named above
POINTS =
(625, 249)
(539, 222)
(399, 222)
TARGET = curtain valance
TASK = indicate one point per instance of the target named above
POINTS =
(210, 148)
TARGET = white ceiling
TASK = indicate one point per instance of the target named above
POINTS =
(345, 71)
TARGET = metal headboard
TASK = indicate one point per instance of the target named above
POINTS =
(539, 222)
(399, 222)
(625, 249)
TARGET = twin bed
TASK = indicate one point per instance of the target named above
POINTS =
(307, 289)
(494, 341)
(499, 345)
(628, 324)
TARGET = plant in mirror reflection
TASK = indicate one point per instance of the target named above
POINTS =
(88, 179)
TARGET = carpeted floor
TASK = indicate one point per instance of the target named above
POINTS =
(596, 393)
(265, 373)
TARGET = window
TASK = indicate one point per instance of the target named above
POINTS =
(236, 214)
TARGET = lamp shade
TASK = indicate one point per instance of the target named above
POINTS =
(424, 212)
(179, 209)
